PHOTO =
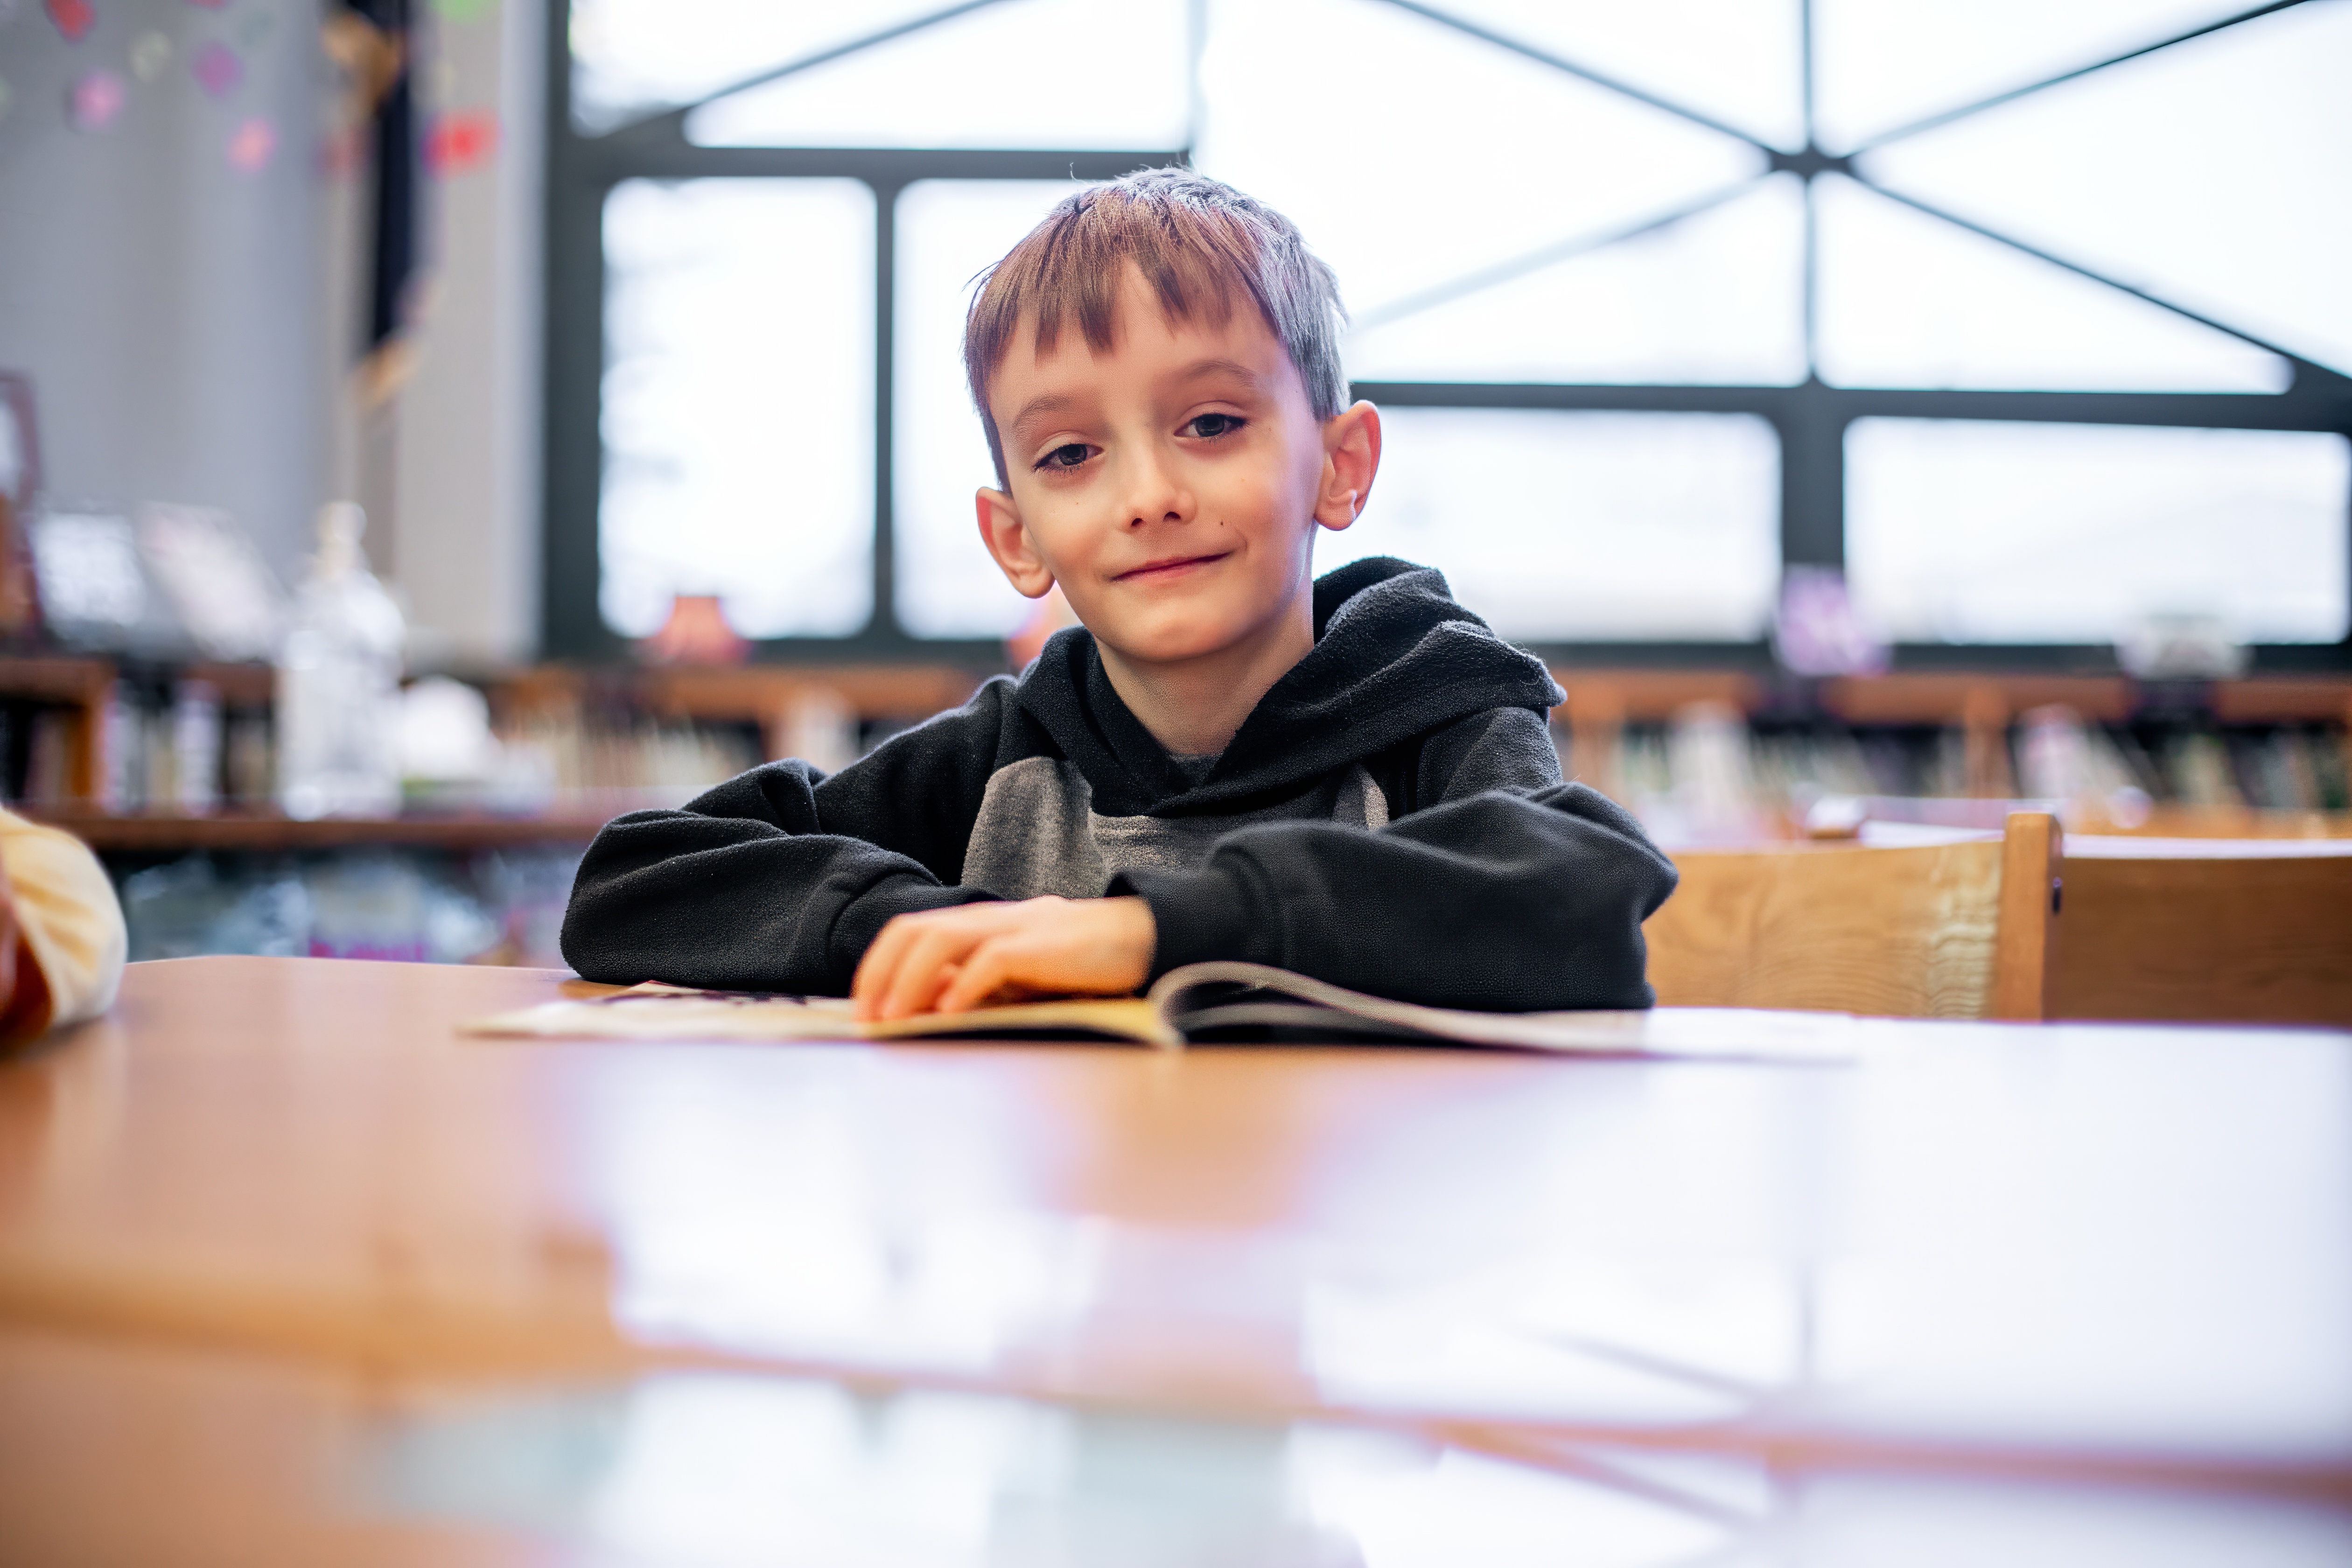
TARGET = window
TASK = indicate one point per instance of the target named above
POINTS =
(737, 421)
(1097, 75)
(1655, 298)
(1985, 531)
(949, 232)
(1562, 527)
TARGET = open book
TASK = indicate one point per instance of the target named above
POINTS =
(1201, 1003)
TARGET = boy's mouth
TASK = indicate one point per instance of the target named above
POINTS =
(1168, 567)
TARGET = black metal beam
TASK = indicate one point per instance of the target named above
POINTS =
(875, 165)
(1617, 85)
(1805, 76)
(572, 353)
(2052, 258)
(2013, 94)
(2318, 407)
(1550, 255)
(884, 622)
(1811, 420)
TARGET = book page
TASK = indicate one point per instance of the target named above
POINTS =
(657, 1012)
(1186, 1002)
(1201, 997)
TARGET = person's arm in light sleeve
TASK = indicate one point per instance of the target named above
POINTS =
(63, 959)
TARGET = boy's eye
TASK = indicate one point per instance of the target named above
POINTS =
(1210, 425)
(1068, 455)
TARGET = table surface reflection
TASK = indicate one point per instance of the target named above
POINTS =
(244, 1459)
(2109, 1254)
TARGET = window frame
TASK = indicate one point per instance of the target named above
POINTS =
(1810, 418)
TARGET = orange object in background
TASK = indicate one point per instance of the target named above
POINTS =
(1052, 614)
(696, 633)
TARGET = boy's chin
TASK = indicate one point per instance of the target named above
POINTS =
(1172, 640)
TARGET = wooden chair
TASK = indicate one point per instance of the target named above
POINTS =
(2248, 930)
(1947, 930)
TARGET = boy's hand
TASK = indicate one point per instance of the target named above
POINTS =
(949, 959)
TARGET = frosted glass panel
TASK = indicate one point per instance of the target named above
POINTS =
(2217, 173)
(948, 230)
(1412, 155)
(1717, 297)
(1911, 300)
(1025, 73)
(1736, 61)
(638, 55)
(1879, 65)
(1961, 532)
(739, 404)
(1583, 527)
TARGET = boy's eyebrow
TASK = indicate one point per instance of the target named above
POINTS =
(1044, 402)
(1199, 368)
(1056, 402)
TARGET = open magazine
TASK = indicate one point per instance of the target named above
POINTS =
(1199, 1003)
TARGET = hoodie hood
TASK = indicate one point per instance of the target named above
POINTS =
(1394, 656)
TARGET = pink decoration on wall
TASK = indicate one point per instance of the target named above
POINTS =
(460, 142)
(95, 100)
(217, 69)
(252, 144)
(73, 17)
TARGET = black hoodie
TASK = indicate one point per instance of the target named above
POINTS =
(1390, 818)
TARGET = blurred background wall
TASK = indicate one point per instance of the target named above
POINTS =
(159, 264)
(185, 216)
(465, 440)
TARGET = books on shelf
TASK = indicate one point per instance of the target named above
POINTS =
(1710, 775)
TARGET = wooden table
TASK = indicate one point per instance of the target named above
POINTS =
(334, 1281)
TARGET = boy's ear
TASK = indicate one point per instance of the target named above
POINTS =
(1351, 455)
(1007, 537)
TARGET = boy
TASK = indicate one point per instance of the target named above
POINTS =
(1349, 778)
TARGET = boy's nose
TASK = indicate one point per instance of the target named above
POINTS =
(1156, 495)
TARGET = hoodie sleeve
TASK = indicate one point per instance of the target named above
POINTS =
(780, 878)
(1510, 890)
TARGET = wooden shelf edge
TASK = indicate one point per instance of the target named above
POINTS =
(166, 833)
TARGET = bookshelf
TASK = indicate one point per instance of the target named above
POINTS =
(622, 738)
(618, 738)
(2267, 755)
(1705, 755)
(146, 832)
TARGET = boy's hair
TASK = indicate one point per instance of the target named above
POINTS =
(1194, 239)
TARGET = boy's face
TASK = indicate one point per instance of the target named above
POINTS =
(1171, 486)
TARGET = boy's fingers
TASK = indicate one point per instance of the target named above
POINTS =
(896, 934)
(985, 973)
(915, 958)
(886, 959)
(872, 981)
(919, 975)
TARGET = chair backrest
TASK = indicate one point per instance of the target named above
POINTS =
(1944, 931)
(2248, 930)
